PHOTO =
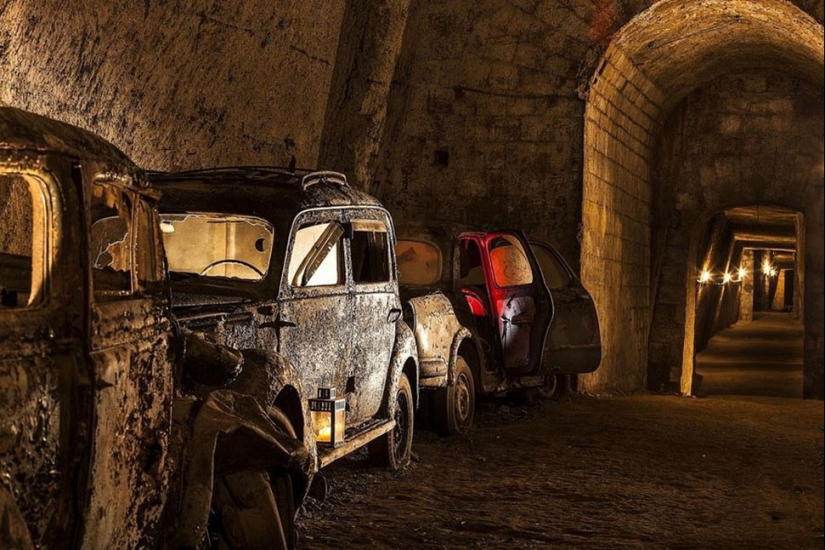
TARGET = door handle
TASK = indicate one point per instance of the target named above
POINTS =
(394, 315)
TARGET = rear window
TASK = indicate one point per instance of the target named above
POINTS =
(509, 262)
(419, 263)
(217, 245)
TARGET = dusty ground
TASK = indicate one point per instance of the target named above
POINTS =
(647, 471)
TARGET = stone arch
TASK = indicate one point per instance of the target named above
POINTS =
(658, 58)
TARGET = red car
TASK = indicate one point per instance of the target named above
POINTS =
(491, 312)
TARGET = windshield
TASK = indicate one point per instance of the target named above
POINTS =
(419, 263)
(217, 245)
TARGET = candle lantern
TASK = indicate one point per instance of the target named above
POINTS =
(328, 417)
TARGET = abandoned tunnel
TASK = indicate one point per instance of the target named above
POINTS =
(673, 151)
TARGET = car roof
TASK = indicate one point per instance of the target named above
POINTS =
(263, 191)
(24, 131)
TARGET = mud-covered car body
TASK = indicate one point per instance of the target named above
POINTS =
(484, 296)
(286, 290)
(86, 356)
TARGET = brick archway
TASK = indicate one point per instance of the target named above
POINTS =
(658, 58)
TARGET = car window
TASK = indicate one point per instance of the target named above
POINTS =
(22, 243)
(210, 244)
(419, 263)
(317, 256)
(555, 274)
(370, 252)
(471, 268)
(509, 261)
(111, 242)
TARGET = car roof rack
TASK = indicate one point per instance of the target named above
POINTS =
(316, 178)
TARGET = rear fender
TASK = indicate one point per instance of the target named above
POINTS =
(224, 433)
(436, 327)
(405, 351)
(461, 336)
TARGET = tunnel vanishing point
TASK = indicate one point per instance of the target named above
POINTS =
(649, 140)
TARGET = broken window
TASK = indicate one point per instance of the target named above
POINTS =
(555, 274)
(111, 241)
(22, 242)
(370, 252)
(419, 263)
(217, 245)
(510, 263)
(317, 256)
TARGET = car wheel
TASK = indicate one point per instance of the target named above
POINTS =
(553, 387)
(456, 404)
(254, 509)
(395, 448)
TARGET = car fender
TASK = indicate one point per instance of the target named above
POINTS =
(264, 376)
(463, 334)
(225, 432)
(405, 348)
(436, 327)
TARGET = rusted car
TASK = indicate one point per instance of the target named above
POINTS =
(99, 446)
(492, 312)
(298, 270)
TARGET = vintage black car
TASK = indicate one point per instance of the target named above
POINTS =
(492, 312)
(298, 269)
(100, 445)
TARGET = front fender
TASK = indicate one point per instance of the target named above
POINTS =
(224, 433)
(264, 376)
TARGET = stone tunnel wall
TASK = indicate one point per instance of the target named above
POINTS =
(742, 140)
(177, 84)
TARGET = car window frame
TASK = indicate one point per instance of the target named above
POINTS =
(47, 249)
(571, 276)
(315, 216)
(374, 213)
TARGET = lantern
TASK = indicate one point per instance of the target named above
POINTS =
(328, 417)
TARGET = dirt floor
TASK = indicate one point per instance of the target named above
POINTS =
(724, 471)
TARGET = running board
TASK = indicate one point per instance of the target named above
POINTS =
(327, 455)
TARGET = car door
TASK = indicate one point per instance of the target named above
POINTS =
(38, 354)
(520, 300)
(314, 323)
(376, 310)
(131, 371)
(574, 341)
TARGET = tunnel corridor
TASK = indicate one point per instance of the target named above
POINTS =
(762, 357)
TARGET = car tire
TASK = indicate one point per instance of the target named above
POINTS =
(455, 404)
(394, 449)
(552, 388)
(254, 509)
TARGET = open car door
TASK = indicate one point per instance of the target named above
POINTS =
(521, 307)
(573, 344)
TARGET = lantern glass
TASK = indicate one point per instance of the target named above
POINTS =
(328, 417)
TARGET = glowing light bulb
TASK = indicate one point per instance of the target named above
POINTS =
(704, 278)
(728, 277)
(743, 273)
(766, 267)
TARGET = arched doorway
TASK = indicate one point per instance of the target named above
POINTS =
(651, 66)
